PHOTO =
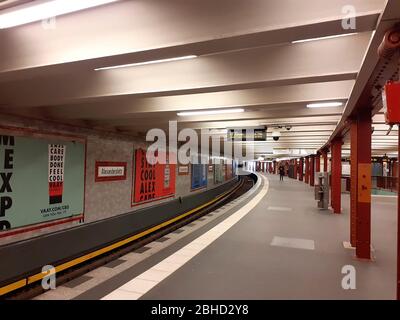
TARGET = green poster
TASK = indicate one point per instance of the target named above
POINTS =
(41, 180)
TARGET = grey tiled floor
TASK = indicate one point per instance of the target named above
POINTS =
(142, 249)
(77, 282)
(178, 231)
(114, 263)
(242, 264)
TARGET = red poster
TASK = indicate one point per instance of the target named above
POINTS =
(56, 172)
(152, 182)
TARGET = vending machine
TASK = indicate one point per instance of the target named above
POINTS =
(322, 190)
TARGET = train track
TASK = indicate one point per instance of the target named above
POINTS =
(33, 290)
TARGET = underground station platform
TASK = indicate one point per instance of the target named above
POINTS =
(199, 158)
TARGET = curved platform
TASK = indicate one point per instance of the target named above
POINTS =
(272, 243)
(25, 259)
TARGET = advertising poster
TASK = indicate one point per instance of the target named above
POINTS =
(152, 182)
(228, 171)
(235, 168)
(219, 173)
(41, 180)
(56, 172)
(199, 176)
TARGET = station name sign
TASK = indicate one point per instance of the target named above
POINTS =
(110, 171)
(249, 134)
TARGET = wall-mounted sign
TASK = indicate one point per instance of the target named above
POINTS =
(41, 180)
(257, 134)
(110, 171)
(152, 182)
(210, 168)
(199, 176)
(183, 170)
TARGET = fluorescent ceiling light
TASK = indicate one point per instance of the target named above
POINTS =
(325, 105)
(325, 38)
(208, 112)
(40, 10)
(146, 62)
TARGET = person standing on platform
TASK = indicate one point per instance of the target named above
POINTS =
(281, 172)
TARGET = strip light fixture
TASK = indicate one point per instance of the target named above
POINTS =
(325, 38)
(147, 62)
(208, 112)
(45, 9)
(325, 105)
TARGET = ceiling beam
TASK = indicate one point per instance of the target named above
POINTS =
(269, 98)
(157, 29)
(331, 60)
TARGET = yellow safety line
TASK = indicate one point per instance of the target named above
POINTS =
(39, 276)
(13, 286)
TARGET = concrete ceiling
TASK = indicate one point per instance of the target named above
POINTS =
(6, 4)
(246, 59)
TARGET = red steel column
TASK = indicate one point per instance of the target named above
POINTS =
(275, 167)
(294, 169)
(353, 182)
(318, 162)
(291, 166)
(325, 155)
(336, 194)
(312, 168)
(301, 173)
(361, 184)
(307, 176)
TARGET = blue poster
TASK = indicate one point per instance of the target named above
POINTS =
(199, 176)
(234, 168)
